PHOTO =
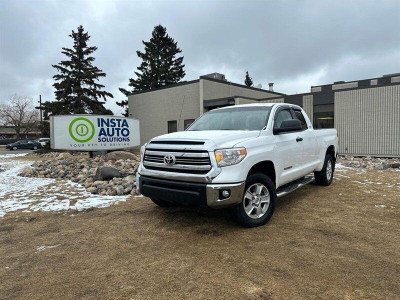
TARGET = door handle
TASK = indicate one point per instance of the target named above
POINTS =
(299, 139)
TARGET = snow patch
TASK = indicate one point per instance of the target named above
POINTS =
(44, 194)
(12, 155)
(41, 248)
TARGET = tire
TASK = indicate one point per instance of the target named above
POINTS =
(34, 148)
(254, 212)
(163, 203)
(325, 176)
(14, 148)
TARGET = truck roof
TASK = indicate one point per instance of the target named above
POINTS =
(261, 105)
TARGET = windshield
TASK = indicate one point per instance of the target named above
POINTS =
(235, 118)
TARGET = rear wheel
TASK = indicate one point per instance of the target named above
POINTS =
(34, 148)
(325, 176)
(258, 202)
(163, 203)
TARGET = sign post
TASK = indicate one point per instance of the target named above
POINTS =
(93, 132)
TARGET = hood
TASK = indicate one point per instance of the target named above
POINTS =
(220, 138)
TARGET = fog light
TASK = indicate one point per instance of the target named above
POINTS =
(226, 193)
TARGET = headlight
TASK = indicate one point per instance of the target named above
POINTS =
(142, 150)
(228, 157)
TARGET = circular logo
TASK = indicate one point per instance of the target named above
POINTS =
(81, 130)
(169, 159)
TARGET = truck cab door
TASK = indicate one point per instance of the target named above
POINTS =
(308, 143)
(288, 149)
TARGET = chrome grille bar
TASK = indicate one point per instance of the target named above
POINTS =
(183, 167)
(176, 153)
(189, 156)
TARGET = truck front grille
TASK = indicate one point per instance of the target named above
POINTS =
(188, 159)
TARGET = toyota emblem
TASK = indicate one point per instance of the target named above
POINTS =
(169, 159)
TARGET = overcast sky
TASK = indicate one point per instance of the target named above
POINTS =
(294, 44)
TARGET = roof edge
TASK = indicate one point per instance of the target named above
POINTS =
(165, 87)
(240, 85)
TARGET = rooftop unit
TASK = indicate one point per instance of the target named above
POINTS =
(218, 76)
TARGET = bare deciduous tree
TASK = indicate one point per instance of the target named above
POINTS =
(20, 113)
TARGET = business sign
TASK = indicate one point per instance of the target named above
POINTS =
(92, 132)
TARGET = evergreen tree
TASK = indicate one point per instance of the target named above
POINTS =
(77, 87)
(160, 65)
(248, 81)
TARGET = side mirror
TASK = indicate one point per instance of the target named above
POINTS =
(288, 125)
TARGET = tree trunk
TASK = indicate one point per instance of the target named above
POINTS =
(17, 131)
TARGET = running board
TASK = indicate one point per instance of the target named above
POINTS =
(288, 188)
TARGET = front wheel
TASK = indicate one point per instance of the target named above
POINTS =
(325, 176)
(258, 203)
(163, 203)
(35, 148)
(14, 148)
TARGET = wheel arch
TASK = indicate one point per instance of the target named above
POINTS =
(266, 167)
(331, 150)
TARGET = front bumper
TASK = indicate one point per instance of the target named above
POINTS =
(189, 193)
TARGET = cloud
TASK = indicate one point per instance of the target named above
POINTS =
(295, 44)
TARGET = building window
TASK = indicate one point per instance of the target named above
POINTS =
(172, 126)
(187, 123)
(324, 116)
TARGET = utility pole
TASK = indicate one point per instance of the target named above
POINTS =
(40, 108)
(40, 111)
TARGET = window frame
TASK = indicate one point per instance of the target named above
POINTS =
(291, 110)
(176, 124)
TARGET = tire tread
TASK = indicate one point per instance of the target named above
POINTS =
(320, 177)
(238, 210)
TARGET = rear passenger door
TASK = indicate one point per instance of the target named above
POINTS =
(288, 150)
(308, 143)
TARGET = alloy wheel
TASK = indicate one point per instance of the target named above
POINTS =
(329, 170)
(256, 200)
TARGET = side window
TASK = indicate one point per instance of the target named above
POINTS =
(282, 115)
(300, 117)
(172, 126)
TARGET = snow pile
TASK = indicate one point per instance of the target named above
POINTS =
(43, 194)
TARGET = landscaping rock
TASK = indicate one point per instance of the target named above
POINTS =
(381, 167)
(106, 173)
(368, 162)
(64, 155)
(120, 155)
(119, 189)
(114, 177)
(91, 189)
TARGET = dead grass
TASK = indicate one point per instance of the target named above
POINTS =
(323, 242)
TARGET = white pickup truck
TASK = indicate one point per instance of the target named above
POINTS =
(242, 156)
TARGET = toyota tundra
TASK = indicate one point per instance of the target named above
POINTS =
(243, 157)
